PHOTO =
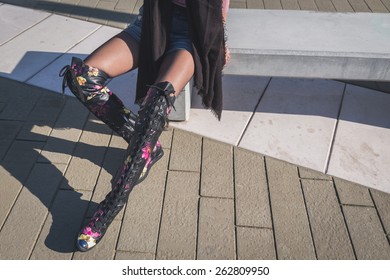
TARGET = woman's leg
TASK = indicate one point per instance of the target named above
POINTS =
(176, 70)
(117, 56)
(87, 81)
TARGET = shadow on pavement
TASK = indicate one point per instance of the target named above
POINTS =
(29, 167)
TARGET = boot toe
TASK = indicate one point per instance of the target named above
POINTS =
(85, 242)
(82, 245)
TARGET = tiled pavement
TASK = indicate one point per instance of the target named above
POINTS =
(204, 200)
(313, 128)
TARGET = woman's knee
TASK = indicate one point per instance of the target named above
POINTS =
(177, 68)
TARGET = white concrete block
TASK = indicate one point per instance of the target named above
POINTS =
(361, 150)
(241, 94)
(295, 121)
(33, 50)
(15, 19)
(48, 77)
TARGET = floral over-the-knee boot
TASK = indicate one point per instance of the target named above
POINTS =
(88, 84)
(152, 119)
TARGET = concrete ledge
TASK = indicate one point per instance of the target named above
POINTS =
(309, 44)
(305, 44)
(182, 104)
(305, 65)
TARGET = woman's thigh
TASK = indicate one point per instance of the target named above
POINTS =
(177, 68)
(120, 54)
(178, 64)
(117, 56)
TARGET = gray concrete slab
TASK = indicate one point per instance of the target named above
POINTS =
(376, 6)
(360, 6)
(272, 5)
(307, 173)
(290, 5)
(308, 5)
(250, 4)
(217, 170)
(291, 225)
(252, 204)
(186, 152)
(326, 6)
(255, 244)
(216, 232)
(308, 44)
(166, 138)
(368, 237)
(330, 235)
(178, 230)
(351, 193)
(343, 6)
(387, 4)
(382, 204)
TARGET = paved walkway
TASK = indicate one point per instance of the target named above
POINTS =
(312, 127)
(204, 200)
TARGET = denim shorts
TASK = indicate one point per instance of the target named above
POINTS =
(179, 37)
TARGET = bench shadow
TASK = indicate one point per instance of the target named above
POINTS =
(295, 96)
(305, 97)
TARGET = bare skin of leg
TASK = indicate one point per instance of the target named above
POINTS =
(117, 56)
(120, 55)
(177, 68)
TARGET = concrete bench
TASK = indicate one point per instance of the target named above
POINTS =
(304, 44)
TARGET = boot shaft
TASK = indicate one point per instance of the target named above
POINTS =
(88, 84)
